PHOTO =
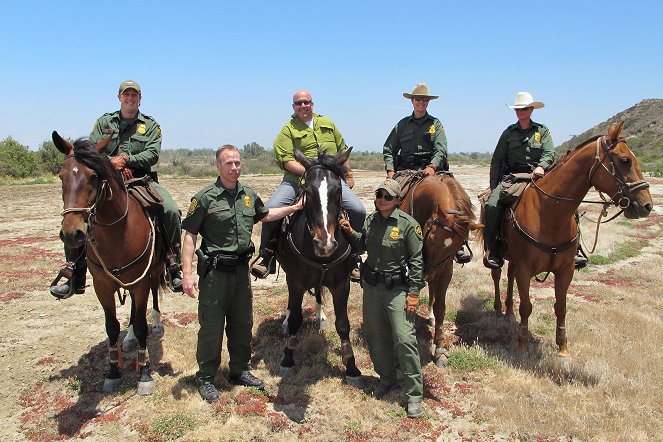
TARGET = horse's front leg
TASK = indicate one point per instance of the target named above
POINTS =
(157, 326)
(437, 292)
(295, 319)
(145, 380)
(496, 274)
(113, 376)
(510, 276)
(525, 309)
(562, 281)
(340, 295)
(130, 342)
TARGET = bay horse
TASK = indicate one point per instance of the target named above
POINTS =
(314, 253)
(445, 213)
(541, 234)
(122, 248)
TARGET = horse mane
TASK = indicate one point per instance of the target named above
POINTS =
(328, 162)
(86, 152)
(569, 153)
(462, 203)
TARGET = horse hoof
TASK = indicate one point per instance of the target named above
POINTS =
(356, 381)
(441, 357)
(158, 331)
(287, 371)
(323, 324)
(441, 362)
(110, 385)
(130, 345)
(145, 388)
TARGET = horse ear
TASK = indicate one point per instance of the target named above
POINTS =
(300, 157)
(62, 145)
(615, 130)
(103, 143)
(341, 158)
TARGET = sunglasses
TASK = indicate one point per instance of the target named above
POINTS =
(383, 195)
(424, 99)
(302, 103)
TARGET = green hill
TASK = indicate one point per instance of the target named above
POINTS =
(643, 128)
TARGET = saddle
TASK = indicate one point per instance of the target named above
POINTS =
(144, 192)
(513, 186)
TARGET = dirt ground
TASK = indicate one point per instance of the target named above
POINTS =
(53, 353)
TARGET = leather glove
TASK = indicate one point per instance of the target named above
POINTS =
(411, 303)
(429, 171)
(347, 228)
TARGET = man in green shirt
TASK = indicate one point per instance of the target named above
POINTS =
(309, 133)
(224, 214)
(133, 142)
(418, 142)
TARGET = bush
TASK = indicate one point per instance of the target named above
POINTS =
(16, 160)
(49, 158)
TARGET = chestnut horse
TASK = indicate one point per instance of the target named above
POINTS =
(314, 253)
(540, 233)
(122, 248)
(444, 210)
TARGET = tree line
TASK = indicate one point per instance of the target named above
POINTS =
(18, 162)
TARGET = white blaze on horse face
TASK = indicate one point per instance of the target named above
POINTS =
(322, 190)
(75, 169)
(447, 242)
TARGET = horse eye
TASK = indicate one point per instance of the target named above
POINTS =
(626, 161)
(94, 178)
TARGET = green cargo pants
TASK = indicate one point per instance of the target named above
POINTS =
(389, 331)
(493, 212)
(171, 219)
(225, 301)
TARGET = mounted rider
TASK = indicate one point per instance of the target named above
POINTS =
(524, 147)
(418, 143)
(132, 140)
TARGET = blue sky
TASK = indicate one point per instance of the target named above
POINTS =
(216, 72)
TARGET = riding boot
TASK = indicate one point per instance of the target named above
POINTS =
(266, 266)
(463, 256)
(175, 276)
(74, 272)
(355, 274)
(492, 258)
(580, 259)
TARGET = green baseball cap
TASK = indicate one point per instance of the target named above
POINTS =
(129, 84)
(391, 186)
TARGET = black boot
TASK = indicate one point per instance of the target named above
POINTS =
(75, 283)
(355, 273)
(264, 264)
(175, 276)
(463, 256)
(492, 259)
(580, 259)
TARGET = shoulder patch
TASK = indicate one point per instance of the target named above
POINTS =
(417, 230)
(158, 129)
(394, 233)
(192, 207)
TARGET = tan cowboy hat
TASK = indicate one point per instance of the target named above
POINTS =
(524, 99)
(420, 90)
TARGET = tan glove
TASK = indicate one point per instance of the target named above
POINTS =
(347, 228)
(411, 303)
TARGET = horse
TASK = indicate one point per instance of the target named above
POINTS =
(541, 234)
(314, 253)
(444, 211)
(123, 250)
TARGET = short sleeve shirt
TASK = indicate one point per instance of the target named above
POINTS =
(224, 218)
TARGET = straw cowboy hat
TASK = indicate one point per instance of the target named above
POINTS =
(524, 99)
(420, 90)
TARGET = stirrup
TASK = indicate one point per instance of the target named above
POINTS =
(267, 262)
(66, 272)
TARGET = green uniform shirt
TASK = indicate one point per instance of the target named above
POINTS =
(296, 134)
(414, 141)
(141, 141)
(520, 151)
(393, 243)
(224, 218)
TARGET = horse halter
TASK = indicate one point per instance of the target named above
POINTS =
(624, 187)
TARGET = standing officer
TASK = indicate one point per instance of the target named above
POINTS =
(309, 133)
(392, 278)
(418, 142)
(133, 142)
(224, 214)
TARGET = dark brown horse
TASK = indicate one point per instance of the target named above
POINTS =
(122, 248)
(541, 234)
(444, 211)
(314, 253)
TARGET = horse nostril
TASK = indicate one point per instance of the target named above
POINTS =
(648, 207)
(61, 236)
(79, 235)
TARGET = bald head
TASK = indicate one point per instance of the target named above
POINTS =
(302, 104)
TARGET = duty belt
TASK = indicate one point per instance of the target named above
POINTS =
(223, 262)
(389, 279)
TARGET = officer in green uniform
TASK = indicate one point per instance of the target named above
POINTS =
(523, 147)
(392, 277)
(309, 133)
(133, 141)
(223, 214)
(418, 142)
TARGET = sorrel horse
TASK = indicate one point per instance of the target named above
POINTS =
(315, 253)
(540, 233)
(444, 211)
(122, 248)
